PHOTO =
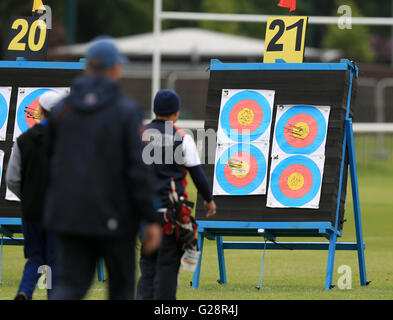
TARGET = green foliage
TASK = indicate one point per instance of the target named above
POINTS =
(120, 19)
(354, 42)
(226, 6)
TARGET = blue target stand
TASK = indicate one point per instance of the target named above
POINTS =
(215, 230)
(12, 226)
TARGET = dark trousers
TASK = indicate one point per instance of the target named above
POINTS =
(76, 264)
(39, 251)
(159, 271)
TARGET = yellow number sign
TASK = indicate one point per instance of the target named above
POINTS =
(28, 38)
(285, 38)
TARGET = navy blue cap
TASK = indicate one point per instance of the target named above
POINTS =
(104, 52)
(166, 102)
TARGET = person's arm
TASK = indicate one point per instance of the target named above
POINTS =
(200, 180)
(14, 171)
(193, 164)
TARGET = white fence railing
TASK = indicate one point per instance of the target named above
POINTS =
(357, 127)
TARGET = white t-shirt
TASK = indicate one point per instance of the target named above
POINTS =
(190, 152)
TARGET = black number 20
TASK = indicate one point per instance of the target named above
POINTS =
(274, 46)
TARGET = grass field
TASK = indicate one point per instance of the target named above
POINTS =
(287, 274)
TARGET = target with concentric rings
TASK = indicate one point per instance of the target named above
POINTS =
(5, 96)
(241, 169)
(27, 107)
(1, 164)
(245, 116)
(301, 129)
(295, 182)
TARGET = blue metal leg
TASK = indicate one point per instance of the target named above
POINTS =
(100, 270)
(356, 203)
(262, 267)
(1, 260)
(330, 264)
(197, 272)
(221, 260)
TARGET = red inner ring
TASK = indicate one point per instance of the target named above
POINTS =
(29, 113)
(296, 142)
(283, 182)
(258, 116)
(242, 182)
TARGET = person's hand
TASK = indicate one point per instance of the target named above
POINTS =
(210, 208)
(170, 215)
(152, 238)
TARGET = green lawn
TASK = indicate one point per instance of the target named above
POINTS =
(287, 274)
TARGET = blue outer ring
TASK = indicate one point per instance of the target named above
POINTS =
(3, 111)
(261, 174)
(280, 129)
(1, 168)
(25, 103)
(267, 115)
(275, 179)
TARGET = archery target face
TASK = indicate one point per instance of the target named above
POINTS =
(295, 181)
(1, 164)
(27, 107)
(241, 169)
(245, 116)
(301, 129)
(5, 96)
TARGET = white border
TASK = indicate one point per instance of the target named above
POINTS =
(261, 190)
(6, 93)
(281, 110)
(226, 95)
(272, 202)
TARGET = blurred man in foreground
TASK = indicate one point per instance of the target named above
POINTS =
(99, 187)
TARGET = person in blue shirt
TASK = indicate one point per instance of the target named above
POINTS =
(173, 154)
(26, 179)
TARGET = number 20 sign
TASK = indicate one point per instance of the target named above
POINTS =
(285, 38)
(27, 38)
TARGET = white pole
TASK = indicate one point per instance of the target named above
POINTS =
(391, 54)
(156, 74)
(173, 15)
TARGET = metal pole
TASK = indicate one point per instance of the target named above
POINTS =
(71, 21)
(156, 76)
(380, 112)
(173, 15)
(391, 62)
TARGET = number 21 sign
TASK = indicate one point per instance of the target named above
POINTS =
(27, 38)
(285, 38)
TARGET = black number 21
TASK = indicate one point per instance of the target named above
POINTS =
(274, 46)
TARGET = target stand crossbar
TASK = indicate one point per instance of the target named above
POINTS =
(270, 230)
